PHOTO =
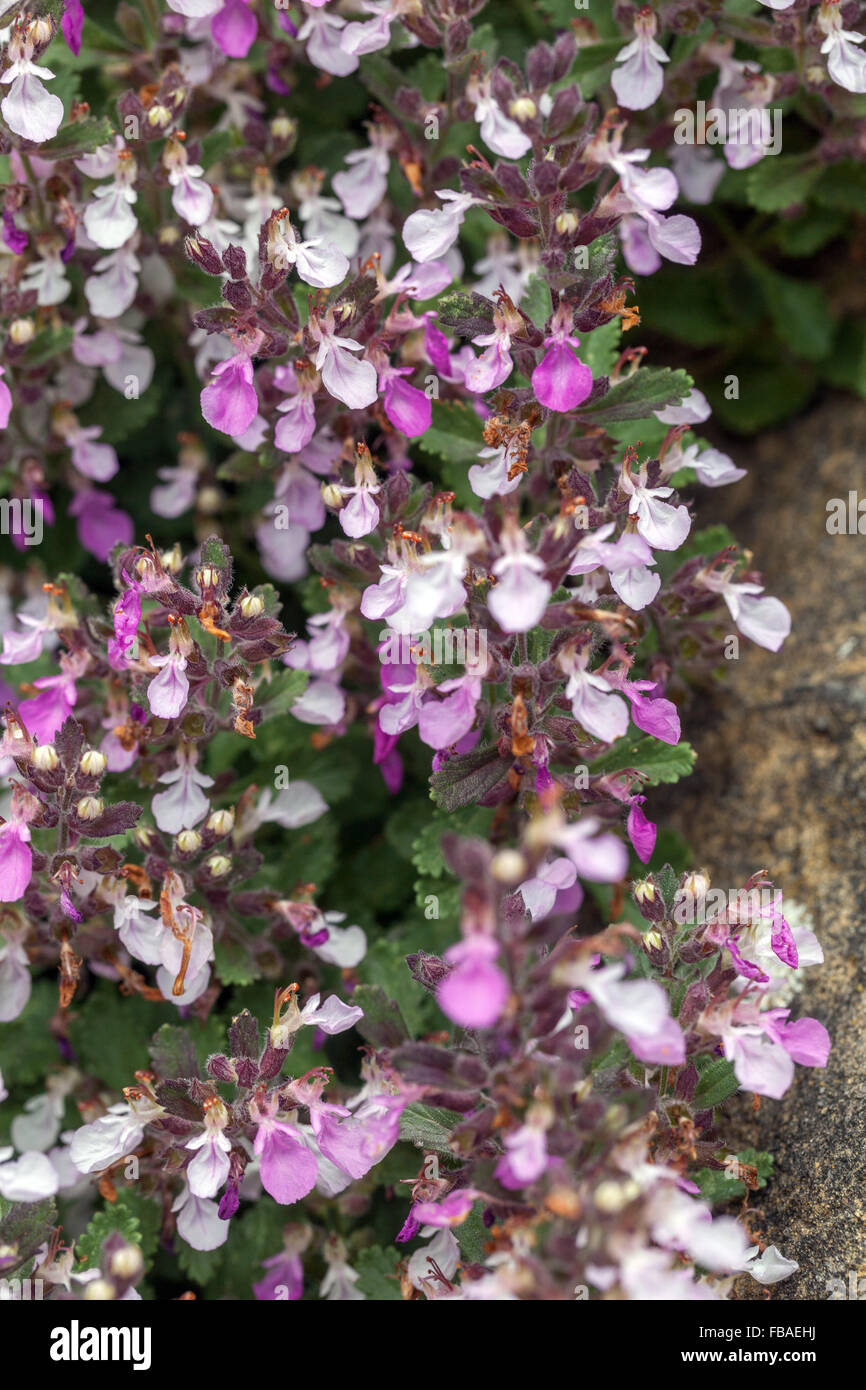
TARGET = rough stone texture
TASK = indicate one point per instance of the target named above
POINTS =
(780, 784)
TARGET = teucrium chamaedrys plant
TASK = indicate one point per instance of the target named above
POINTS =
(384, 903)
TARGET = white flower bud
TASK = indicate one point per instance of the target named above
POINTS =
(89, 807)
(221, 822)
(126, 1263)
(92, 762)
(99, 1291)
(188, 841)
(508, 866)
(45, 757)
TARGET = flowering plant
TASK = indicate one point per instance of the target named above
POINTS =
(334, 750)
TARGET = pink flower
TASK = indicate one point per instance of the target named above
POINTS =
(598, 858)
(655, 716)
(234, 28)
(127, 616)
(16, 860)
(561, 381)
(5, 401)
(101, 526)
(46, 712)
(229, 402)
(442, 723)
(641, 831)
(408, 409)
(288, 1168)
(525, 1159)
(638, 1008)
(286, 1271)
(475, 992)
(72, 24)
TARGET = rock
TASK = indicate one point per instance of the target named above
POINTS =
(780, 784)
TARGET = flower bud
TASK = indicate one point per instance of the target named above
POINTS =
(283, 127)
(44, 757)
(22, 331)
(218, 865)
(523, 109)
(612, 1197)
(252, 605)
(221, 822)
(209, 500)
(99, 1290)
(89, 807)
(172, 560)
(126, 1263)
(208, 577)
(508, 866)
(40, 31)
(188, 841)
(92, 762)
(566, 223)
(332, 496)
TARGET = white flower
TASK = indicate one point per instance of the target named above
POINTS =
(638, 83)
(430, 232)
(28, 109)
(198, 1221)
(30, 1178)
(321, 266)
(109, 220)
(108, 1139)
(845, 63)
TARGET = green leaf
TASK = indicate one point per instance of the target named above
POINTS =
(234, 964)
(717, 1082)
(278, 696)
(467, 777)
(800, 312)
(172, 1052)
(199, 1265)
(456, 433)
(601, 348)
(842, 186)
(659, 762)
(429, 1128)
(536, 300)
(778, 182)
(639, 395)
(379, 1274)
(383, 1023)
(78, 138)
(427, 849)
